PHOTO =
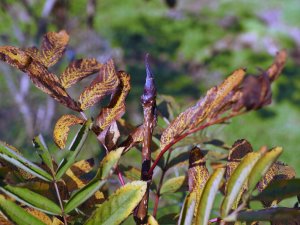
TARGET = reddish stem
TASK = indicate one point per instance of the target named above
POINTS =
(174, 141)
(121, 179)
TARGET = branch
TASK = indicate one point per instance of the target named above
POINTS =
(174, 141)
(148, 100)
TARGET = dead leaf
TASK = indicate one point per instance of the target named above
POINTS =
(52, 48)
(104, 84)
(79, 69)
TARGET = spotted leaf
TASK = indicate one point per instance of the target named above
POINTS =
(52, 48)
(104, 84)
(62, 128)
(79, 69)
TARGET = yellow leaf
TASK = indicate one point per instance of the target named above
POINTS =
(52, 48)
(197, 174)
(40, 215)
(73, 175)
(116, 108)
(104, 84)
(79, 69)
(15, 57)
(62, 128)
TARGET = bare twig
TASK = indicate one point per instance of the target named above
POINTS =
(60, 202)
(149, 107)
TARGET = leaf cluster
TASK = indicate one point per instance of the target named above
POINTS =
(70, 190)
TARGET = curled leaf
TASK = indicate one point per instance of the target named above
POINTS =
(79, 69)
(62, 128)
(275, 69)
(206, 108)
(116, 108)
(104, 84)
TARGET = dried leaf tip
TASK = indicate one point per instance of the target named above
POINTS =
(149, 88)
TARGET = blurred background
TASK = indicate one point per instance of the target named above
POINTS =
(194, 45)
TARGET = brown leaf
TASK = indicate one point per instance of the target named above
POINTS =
(62, 128)
(275, 69)
(79, 69)
(40, 76)
(109, 136)
(134, 138)
(52, 48)
(15, 57)
(104, 84)
(197, 173)
(116, 107)
(239, 150)
(74, 176)
(206, 108)
(50, 84)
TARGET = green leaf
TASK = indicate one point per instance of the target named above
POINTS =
(174, 184)
(32, 199)
(151, 220)
(74, 149)
(285, 215)
(119, 205)
(237, 181)
(208, 196)
(279, 189)
(18, 160)
(17, 214)
(262, 167)
(187, 211)
(39, 143)
(83, 194)
(109, 161)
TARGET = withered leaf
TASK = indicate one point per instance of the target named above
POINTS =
(134, 138)
(15, 57)
(275, 69)
(79, 69)
(109, 136)
(40, 215)
(50, 84)
(40, 76)
(197, 173)
(239, 150)
(62, 128)
(52, 48)
(74, 176)
(104, 84)
(204, 109)
(116, 108)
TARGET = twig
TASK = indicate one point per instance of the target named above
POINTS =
(148, 100)
(157, 197)
(60, 202)
(174, 141)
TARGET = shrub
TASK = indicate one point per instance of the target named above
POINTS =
(70, 190)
